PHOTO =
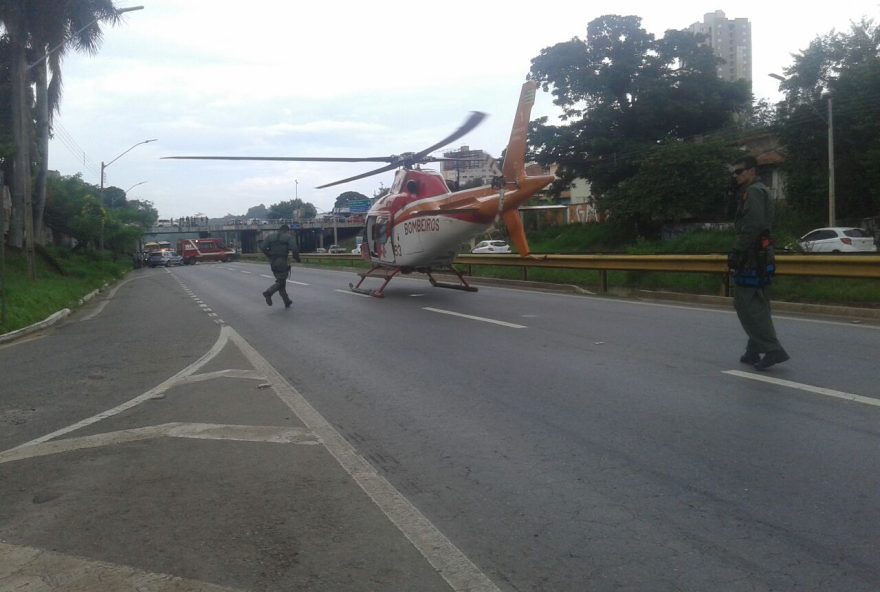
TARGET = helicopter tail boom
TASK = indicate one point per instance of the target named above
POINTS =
(519, 187)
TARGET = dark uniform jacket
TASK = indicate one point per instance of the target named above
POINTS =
(752, 253)
(276, 246)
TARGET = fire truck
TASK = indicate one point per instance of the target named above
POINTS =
(195, 250)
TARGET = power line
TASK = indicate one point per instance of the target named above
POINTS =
(68, 141)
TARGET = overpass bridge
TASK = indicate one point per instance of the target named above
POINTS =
(246, 235)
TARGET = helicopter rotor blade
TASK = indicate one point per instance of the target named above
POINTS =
(383, 169)
(289, 158)
(394, 161)
(410, 159)
(476, 117)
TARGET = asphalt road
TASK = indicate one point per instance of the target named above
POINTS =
(436, 439)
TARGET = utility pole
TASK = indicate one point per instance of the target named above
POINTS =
(2, 249)
(831, 196)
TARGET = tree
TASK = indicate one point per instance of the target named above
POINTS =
(56, 27)
(31, 27)
(623, 92)
(69, 203)
(676, 181)
(343, 200)
(844, 67)
(292, 210)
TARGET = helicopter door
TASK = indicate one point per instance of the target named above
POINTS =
(379, 238)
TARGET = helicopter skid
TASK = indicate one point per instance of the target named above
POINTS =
(462, 286)
(380, 272)
(388, 274)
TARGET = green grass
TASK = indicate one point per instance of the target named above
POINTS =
(63, 277)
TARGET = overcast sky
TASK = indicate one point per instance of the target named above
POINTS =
(329, 78)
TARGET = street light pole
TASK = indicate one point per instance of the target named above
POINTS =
(133, 186)
(104, 166)
(829, 120)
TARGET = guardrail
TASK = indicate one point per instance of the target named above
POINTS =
(853, 266)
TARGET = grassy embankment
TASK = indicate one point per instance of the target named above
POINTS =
(63, 278)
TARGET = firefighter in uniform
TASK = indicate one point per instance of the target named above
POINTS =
(752, 264)
(275, 247)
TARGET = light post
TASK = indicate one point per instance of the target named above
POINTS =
(133, 186)
(296, 189)
(127, 190)
(104, 166)
(829, 120)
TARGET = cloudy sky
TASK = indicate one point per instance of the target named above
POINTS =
(336, 78)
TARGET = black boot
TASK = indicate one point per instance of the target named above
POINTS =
(771, 358)
(750, 358)
(268, 297)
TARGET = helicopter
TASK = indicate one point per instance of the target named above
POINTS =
(419, 225)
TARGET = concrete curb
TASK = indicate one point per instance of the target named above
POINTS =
(48, 321)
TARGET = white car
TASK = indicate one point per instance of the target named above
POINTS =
(491, 246)
(838, 240)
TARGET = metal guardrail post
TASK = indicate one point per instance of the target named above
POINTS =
(603, 281)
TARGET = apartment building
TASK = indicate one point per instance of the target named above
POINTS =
(731, 40)
(469, 165)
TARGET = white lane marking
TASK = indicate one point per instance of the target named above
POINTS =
(353, 293)
(201, 431)
(99, 308)
(453, 566)
(150, 394)
(30, 568)
(473, 318)
(242, 271)
(806, 387)
(272, 277)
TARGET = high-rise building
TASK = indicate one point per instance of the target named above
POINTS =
(469, 165)
(731, 40)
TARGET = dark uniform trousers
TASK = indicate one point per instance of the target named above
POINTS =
(752, 306)
(280, 284)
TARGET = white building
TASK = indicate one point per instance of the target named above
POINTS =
(731, 40)
(469, 165)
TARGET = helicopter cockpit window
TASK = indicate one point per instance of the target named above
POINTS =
(412, 186)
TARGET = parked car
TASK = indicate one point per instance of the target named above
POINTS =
(491, 246)
(838, 240)
(320, 250)
(336, 249)
(164, 258)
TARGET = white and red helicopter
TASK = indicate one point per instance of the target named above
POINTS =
(420, 224)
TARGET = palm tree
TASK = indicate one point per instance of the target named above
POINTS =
(41, 29)
(61, 25)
